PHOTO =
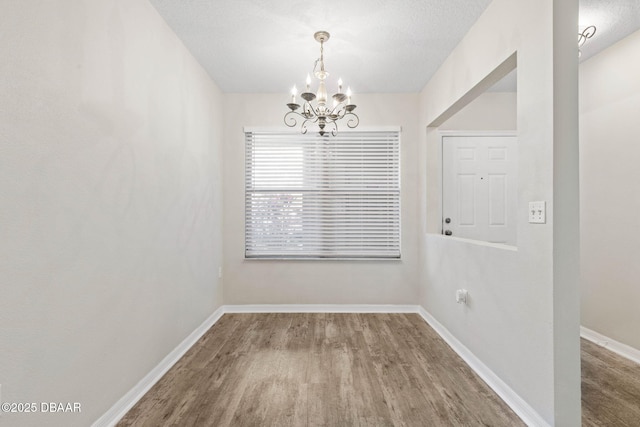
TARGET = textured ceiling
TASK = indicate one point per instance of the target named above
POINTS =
(376, 45)
(614, 20)
(268, 45)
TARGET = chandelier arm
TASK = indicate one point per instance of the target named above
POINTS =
(290, 118)
(586, 34)
(309, 116)
(338, 111)
(305, 124)
(334, 131)
(353, 121)
(308, 110)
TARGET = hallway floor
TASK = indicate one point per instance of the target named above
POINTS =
(610, 388)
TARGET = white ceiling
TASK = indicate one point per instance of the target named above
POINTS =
(375, 46)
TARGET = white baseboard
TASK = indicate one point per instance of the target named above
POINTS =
(122, 406)
(623, 350)
(321, 308)
(528, 415)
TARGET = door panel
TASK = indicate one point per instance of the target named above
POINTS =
(497, 199)
(466, 200)
(480, 187)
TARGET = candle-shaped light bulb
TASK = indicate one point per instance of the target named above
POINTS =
(308, 82)
(339, 85)
(293, 94)
(349, 96)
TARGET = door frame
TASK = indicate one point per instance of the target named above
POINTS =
(464, 133)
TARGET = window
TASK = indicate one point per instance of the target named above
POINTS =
(308, 196)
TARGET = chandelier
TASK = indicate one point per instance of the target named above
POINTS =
(586, 34)
(325, 116)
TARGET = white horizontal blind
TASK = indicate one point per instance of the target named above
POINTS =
(308, 196)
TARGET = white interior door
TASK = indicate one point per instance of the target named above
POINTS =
(479, 194)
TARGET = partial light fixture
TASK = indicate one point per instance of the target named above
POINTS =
(586, 34)
(326, 116)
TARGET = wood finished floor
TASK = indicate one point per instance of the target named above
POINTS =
(353, 370)
(610, 388)
(321, 370)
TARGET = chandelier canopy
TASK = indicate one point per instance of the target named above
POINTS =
(326, 116)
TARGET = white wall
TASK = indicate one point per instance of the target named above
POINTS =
(318, 282)
(110, 201)
(610, 199)
(522, 321)
(490, 111)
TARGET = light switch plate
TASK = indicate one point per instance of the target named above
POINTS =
(537, 212)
